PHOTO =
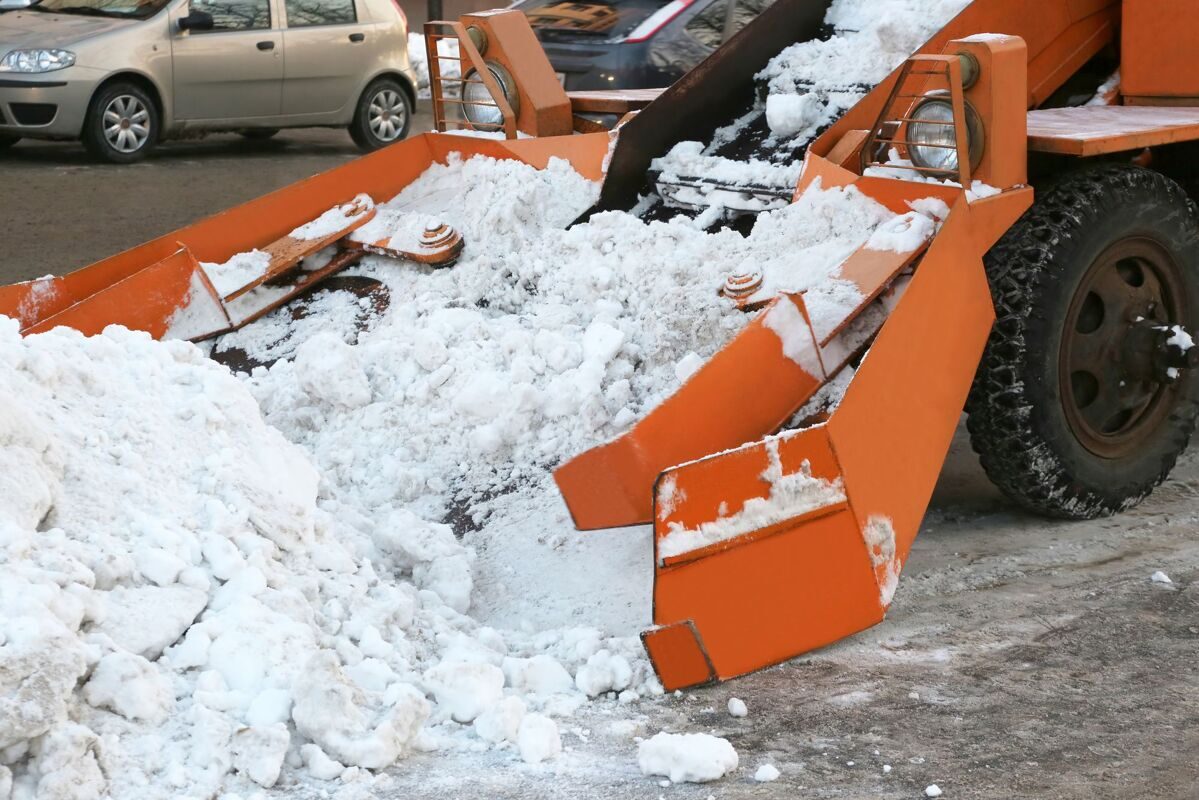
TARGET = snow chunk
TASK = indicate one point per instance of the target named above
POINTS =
(933, 790)
(1160, 577)
(879, 536)
(767, 773)
(238, 271)
(258, 752)
(687, 758)
(131, 686)
(335, 219)
(328, 370)
(737, 707)
(604, 672)
(502, 722)
(148, 619)
(465, 691)
(319, 765)
(538, 739)
(331, 712)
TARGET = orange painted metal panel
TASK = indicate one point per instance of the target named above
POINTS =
(772, 599)
(144, 301)
(748, 389)
(894, 425)
(544, 107)
(678, 655)
(718, 487)
(1100, 130)
(251, 225)
(1160, 40)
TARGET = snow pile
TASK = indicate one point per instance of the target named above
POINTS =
(540, 343)
(687, 758)
(190, 601)
(811, 84)
(178, 613)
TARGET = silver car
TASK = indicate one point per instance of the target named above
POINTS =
(121, 75)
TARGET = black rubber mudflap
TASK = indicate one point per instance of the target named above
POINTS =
(707, 97)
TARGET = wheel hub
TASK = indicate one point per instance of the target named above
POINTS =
(1118, 366)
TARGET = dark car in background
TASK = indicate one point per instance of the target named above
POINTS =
(633, 44)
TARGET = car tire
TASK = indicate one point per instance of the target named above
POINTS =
(1068, 419)
(8, 141)
(377, 121)
(122, 124)
(258, 134)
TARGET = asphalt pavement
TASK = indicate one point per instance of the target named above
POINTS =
(62, 210)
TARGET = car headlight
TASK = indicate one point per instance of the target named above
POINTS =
(932, 135)
(33, 61)
(478, 105)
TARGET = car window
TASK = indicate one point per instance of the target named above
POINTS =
(236, 15)
(305, 13)
(707, 27)
(601, 18)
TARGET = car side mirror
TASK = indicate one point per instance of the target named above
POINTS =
(196, 21)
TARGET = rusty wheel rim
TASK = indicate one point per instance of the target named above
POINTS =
(1114, 399)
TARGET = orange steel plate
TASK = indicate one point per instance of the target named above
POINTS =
(1099, 130)
(748, 389)
(615, 101)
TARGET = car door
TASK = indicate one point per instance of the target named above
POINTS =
(329, 46)
(234, 71)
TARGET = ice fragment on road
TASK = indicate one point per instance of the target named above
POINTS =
(538, 739)
(766, 773)
(687, 758)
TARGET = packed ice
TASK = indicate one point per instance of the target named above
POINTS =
(687, 757)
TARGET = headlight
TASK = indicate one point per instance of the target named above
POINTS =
(478, 105)
(932, 136)
(32, 61)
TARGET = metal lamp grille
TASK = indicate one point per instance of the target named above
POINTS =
(920, 77)
(447, 81)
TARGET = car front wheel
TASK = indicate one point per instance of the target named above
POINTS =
(383, 115)
(121, 125)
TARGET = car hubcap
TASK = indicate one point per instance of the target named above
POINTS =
(1117, 382)
(387, 115)
(126, 124)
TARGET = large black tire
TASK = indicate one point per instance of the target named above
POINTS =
(383, 115)
(8, 141)
(122, 124)
(1048, 412)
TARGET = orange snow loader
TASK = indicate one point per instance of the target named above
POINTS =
(787, 479)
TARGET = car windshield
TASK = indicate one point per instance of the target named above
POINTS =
(121, 9)
(610, 20)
